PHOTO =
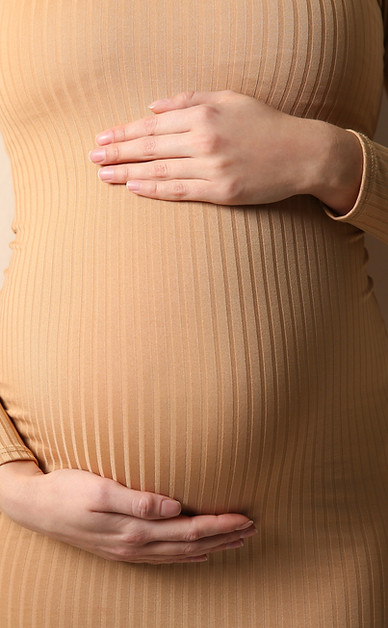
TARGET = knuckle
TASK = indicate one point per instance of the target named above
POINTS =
(188, 549)
(135, 538)
(208, 142)
(179, 190)
(192, 535)
(150, 124)
(149, 146)
(120, 553)
(120, 134)
(125, 173)
(124, 553)
(160, 170)
(113, 154)
(186, 96)
(100, 497)
(145, 506)
(207, 113)
(153, 188)
(231, 189)
(221, 162)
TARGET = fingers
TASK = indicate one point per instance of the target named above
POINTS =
(169, 561)
(189, 99)
(161, 124)
(163, 559)
(143, 149)
(168, 120)
(176, 190)
(190, 529)
(136, 526)
(158, 170)
(167, 552)
(116, 498)
(201, 546)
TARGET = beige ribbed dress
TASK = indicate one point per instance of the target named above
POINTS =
(232, 357)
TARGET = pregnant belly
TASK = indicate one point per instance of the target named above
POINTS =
(184, 364)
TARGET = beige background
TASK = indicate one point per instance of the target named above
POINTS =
(378, 263)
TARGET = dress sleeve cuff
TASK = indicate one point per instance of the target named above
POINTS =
(370, 211)
(11, 445)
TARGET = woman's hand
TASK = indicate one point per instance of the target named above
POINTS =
(105, 518)
(230, 149)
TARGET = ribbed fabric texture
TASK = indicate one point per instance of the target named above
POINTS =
(232, 357)
(370, 211)
(12, 446)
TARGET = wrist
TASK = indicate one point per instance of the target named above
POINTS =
(336, 167)
(14, 486)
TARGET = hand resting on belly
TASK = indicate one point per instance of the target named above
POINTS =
(110, 520)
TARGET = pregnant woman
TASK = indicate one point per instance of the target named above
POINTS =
(199, 349)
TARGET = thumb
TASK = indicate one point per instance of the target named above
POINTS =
(187, 99)
(139, 504)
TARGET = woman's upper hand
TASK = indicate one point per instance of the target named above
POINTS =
(221, 147)
(110, 520)
(230, 149)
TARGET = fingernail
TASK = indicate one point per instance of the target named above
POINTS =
(234, 545)
(198, 559)
(248, 524)
(104, 138)
(248, 533)
(106, 174)
(97, 155)
(134, 186)
(158, 103)
(170, 508)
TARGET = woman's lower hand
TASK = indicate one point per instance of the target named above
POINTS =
(110, 520)
(230, 149)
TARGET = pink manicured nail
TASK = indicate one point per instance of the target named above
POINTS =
(170, 508)
(198, 559)
(106, 174)
(245, 525)
(134, 186)
(105, 138)
(97, 155)
(159, 103)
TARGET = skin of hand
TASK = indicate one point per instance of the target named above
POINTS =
(231, 149)
(105, 518)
